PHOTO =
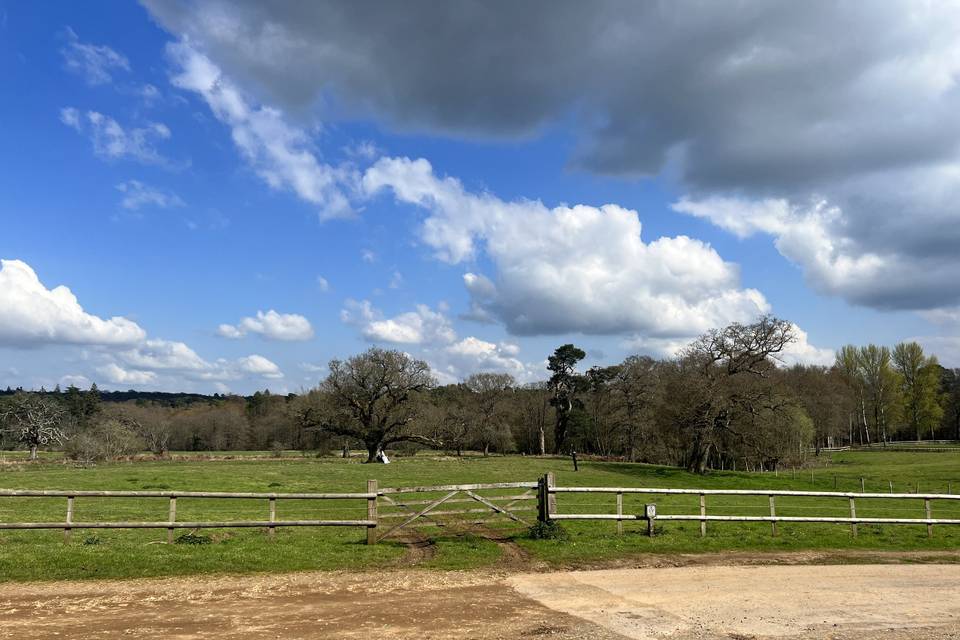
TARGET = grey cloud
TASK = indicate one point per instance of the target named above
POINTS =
(767, 92)
(853, 103)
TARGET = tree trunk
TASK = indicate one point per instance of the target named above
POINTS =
(486, 450)
(543, 441)
(33, 452)
(699, 454)
(863, 412)
(372, 451)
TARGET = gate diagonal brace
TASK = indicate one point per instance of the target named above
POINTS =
(493, 506)
(405, 510)
(430, 507)
(525, 496)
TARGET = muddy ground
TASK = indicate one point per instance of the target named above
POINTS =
(678, 597)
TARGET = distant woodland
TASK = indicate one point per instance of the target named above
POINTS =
(726, 401)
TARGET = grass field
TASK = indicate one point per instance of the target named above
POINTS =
(42, 555)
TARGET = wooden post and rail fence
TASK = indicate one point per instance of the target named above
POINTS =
(390, 509)
(650, 514)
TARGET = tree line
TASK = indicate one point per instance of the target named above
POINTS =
(726, 402)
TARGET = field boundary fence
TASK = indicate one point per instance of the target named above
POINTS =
(270, 524)
(550, 492)
(389, 510)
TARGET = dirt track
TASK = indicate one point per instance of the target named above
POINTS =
(710, 602)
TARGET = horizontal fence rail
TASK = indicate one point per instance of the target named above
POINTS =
(650, 512)
(171, 523)
(226, 524)
(757, 492)
(460, 487)
(19, 493)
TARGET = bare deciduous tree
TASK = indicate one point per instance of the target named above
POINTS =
(719, 374)
(35, 421)
(487, 398)
(372, 397)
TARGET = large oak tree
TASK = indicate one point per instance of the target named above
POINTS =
(374, 397)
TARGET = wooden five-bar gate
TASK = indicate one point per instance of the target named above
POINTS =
(407, 506)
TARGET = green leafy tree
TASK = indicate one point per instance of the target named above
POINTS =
(882, 388)
(920, 387)
(849, 365)
(951, 418)
(563, 383)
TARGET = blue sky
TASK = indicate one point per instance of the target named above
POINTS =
(182, 168)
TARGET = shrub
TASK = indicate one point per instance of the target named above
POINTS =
(192, 538)
(107, 440)
(550, 530)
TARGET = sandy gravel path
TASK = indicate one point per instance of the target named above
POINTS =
(883, 601)
(845, 602)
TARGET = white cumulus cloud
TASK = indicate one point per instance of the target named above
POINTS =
(157, 354)
(174, 358)
(570, 269)
(800, 351)
(118, 375)
(423, 326)
(473, 355)
(260, 366)
(271, 325)
(31, 314)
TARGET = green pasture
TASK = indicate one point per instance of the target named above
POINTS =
(43, 555)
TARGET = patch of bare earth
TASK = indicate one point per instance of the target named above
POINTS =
(418, 549)
(703, 599)
(392, 604)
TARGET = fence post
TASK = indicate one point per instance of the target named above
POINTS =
(619, 513)
(67, 530)
(703, 515)
(650, 513)
(926, 507)
(372, 512)
(853, 515)
(891, 485)
(542, 499)
(551, 497)
(271, 531)
(773, 514)
(172, 518)
(861, 485)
